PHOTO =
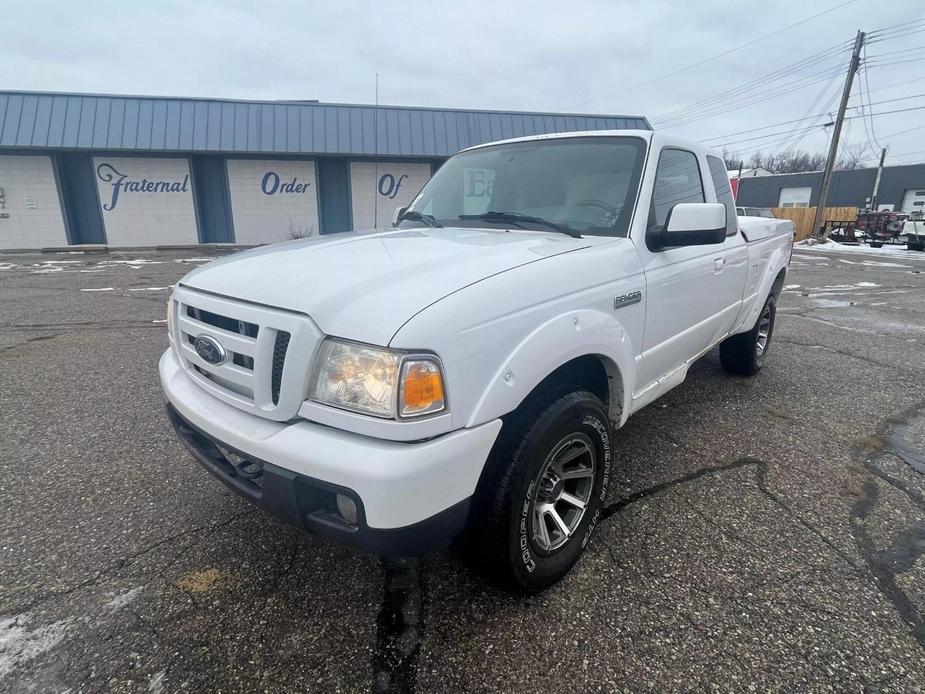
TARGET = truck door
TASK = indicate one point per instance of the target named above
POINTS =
(688, 289)
(733, 273)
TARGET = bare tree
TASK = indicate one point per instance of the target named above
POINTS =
(853, 157)
(796, 161)
(732, 160)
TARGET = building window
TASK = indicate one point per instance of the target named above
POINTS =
(795, 197)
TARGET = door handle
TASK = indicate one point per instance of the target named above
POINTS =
(718, 264)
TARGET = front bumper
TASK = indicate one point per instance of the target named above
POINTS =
(411, 498)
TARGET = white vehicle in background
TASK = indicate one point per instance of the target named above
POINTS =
(463, 374)
(755, 212)
(913, 232)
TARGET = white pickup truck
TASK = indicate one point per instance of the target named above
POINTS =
(462, 374)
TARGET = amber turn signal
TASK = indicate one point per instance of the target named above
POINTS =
(421, 388)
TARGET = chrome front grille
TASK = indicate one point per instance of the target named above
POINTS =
(261, 371)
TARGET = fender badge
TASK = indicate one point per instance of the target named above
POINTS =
(627, 299)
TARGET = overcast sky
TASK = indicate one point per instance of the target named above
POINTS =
(547, 56)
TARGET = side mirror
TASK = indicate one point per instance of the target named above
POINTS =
(694, 224)
(396, 215)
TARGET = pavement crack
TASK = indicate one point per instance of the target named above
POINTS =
(621, 504)
(123, 561)
(844, 353)
(28, 341)
(399, 626)
(909, 545)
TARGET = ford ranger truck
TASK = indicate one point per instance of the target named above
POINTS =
(462, 374)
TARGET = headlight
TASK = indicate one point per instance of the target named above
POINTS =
(376, 381)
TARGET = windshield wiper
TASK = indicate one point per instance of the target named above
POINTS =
(415, 216)
(520, 219)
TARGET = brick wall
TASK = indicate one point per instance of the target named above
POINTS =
(372, 183)
(273, 200)
(147, 218)
(41, 226)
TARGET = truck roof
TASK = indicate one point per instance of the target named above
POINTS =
(646, 135)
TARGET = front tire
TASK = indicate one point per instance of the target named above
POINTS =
(744, 354)
(543, 489)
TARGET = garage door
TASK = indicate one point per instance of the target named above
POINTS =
(914, 200)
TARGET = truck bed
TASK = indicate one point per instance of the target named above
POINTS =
(759, 228)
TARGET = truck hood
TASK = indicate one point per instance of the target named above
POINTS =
(365, 286)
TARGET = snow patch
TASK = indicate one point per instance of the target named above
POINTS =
(156, 683)
(99, 289)
(871, 263)
(194, 260)
(19, 645)
(148, 289)
(120, 600)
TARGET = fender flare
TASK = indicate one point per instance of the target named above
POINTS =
(778, 261)
(552, 344)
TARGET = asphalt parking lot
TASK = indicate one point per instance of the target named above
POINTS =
(762, 533)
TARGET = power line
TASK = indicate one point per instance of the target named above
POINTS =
(890, 101)
(911, 32)
(864, 81)
(903, 132)
(745, 87)
(902, 26)
(767, 136)
(917, 49)
(798, 120)
(717, 109)
(713, 57)
(751, 130)
(897, 62)
(907, 154)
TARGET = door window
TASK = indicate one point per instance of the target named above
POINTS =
(677, 180)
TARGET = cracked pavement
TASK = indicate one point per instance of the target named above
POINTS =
(761, 533)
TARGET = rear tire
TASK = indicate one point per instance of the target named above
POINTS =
(543, 489)
(744, 354)
(915, 246)
(876, 244)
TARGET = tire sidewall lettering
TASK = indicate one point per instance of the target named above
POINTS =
(603, 432)
(526, 555)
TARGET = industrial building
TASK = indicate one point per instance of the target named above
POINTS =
(902, 188)
(130, 171)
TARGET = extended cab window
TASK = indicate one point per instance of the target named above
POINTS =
(724, 193)
(585, 184)
(677, 180)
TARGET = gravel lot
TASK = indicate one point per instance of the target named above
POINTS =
(761, 533)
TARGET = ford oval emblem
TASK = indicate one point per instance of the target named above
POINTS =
(209, 349)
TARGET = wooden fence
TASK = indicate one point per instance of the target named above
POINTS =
(802, 217)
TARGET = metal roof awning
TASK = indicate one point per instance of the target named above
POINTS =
(226, 126)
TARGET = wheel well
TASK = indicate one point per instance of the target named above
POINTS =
(779, 282)
(596, 374)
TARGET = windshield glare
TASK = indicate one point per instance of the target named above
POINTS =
(587, 184)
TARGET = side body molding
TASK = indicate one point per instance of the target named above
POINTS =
(559, 340)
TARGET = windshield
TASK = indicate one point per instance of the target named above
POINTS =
(583, 184)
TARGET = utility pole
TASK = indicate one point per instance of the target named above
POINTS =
(873, 196)
(819, 217)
